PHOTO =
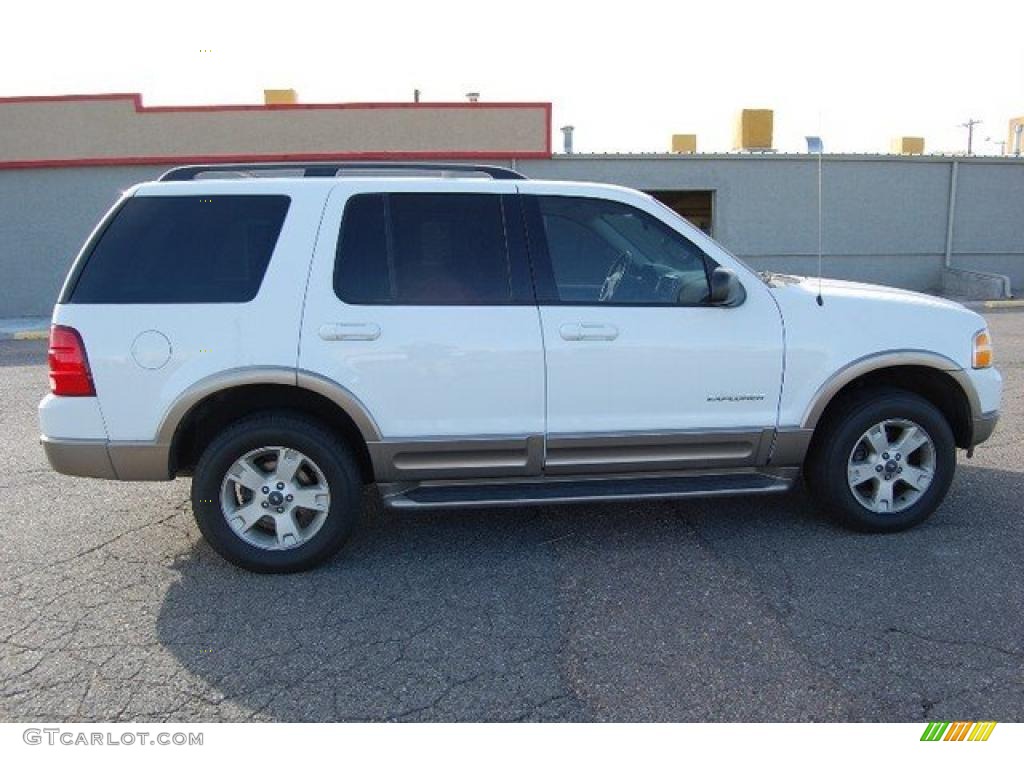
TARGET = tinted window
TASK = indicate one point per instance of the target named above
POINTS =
(607, 252)
(160, 250)
(362, 273)
(581, 258)
(422, 248)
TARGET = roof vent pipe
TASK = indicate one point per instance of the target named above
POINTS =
(567, 138)
(473, 97)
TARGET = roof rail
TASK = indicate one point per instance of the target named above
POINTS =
(189, 172)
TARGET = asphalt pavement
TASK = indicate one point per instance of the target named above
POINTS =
(113, 608)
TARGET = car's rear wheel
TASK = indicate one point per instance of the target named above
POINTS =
(882, 461)
(276, 493)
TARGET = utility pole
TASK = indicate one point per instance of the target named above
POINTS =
(969, 125)
(998, 143)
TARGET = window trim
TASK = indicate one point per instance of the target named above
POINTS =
(543, 269)
(517, 267)
(82, 261)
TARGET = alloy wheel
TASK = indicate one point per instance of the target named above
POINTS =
(275, 498)
(891, 466)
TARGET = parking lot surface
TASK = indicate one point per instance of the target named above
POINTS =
(113, 608)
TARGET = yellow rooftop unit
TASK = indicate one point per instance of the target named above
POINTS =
(280, 96)
(754, 130)
(908, 145)
(684, 143)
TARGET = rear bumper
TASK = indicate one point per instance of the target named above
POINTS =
(108, 460)
(82, 458)
(82, 448)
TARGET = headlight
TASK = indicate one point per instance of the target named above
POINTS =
(982, 357)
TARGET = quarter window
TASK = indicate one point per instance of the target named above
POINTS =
(183, 250)
(603, 251)
(422, 248)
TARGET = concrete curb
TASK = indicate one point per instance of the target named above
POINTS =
(30, 335)
(995, 304)
(975, 285)
(25, 328)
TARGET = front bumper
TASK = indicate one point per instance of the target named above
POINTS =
(983, 426)
(984, 390)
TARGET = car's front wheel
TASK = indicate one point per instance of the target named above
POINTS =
(276, 493)
(882, 461)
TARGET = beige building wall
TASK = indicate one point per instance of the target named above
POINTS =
(117, 129)
(1015, 140)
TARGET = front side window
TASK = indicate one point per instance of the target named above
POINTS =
(603, 251)
(183, 250)
(422, 248)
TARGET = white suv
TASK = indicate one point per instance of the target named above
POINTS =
(463, 336)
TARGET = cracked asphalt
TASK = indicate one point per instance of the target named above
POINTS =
(112, 607)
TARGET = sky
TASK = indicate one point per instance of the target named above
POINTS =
(627, 75)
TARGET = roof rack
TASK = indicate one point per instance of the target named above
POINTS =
(189, 172)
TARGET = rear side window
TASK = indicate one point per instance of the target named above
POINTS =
(183, 250)
(423, 248)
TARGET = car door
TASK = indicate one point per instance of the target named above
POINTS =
(420, 309)
(643, 372)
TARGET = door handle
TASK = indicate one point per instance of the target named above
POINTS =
(588, 332)
(598, 332)
(571, 332)
(349, 331)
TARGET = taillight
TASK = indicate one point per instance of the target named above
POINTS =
(69, 367)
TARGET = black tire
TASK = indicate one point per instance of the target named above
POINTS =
(837, 437)
(333, 458)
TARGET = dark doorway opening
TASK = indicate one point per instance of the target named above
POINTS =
(696, 206)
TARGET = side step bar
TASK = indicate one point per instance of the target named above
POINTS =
(432, 495)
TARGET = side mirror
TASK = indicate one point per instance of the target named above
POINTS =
(726, 288)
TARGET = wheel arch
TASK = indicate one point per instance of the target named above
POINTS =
(214, 403)
(930, 375)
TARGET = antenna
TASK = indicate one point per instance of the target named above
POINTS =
(816, 146)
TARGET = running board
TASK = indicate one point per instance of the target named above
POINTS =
(584, 489)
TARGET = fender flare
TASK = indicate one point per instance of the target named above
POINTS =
(878, 361)
(351, 405)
